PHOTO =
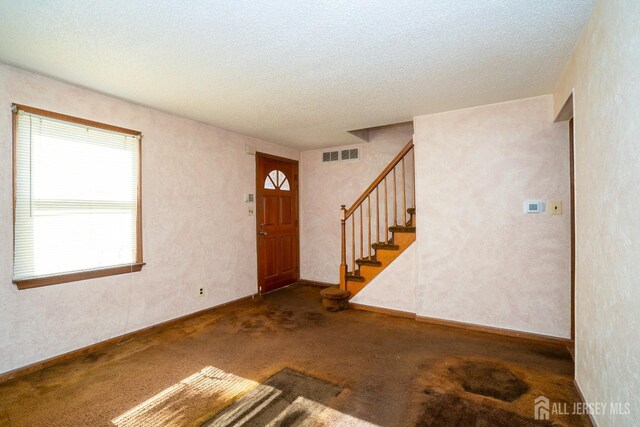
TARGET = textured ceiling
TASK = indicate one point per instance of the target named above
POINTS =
(293, 72)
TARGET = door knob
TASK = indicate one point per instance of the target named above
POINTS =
(262, 233)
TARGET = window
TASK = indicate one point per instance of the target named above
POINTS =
(277, 180)
(76, 199)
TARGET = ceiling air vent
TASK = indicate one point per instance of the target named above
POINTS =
(330, 156)
(349, 154)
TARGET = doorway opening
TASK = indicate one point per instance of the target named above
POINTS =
(566, 114)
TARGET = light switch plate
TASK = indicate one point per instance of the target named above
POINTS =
(555, 207)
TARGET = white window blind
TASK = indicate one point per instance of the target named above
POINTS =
(76, 192)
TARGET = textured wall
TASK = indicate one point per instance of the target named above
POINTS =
(326, 186)
(196, 230)
(480, 258)
(604, 72)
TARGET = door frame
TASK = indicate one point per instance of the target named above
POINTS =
(567, 114)
(259, 183)
(572, 186)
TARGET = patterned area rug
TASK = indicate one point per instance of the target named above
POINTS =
(288, 398)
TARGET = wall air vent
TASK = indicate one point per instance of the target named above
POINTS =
(330, 156)
(350, 154)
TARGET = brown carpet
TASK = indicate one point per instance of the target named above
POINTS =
(386, 371)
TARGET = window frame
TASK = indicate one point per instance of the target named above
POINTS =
(73, 276)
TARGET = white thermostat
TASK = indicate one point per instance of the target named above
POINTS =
(533, 206)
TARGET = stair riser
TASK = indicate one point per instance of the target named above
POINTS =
(355, 287)
(404, 239)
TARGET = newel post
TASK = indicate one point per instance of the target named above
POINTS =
(343, 254)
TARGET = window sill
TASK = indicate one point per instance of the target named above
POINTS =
(37, 282)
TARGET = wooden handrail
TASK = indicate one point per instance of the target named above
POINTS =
(379, 179)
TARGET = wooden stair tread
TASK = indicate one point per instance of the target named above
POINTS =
(355, 277)
(367, 261)
(386, 246)
(402, 229)
(334, 293)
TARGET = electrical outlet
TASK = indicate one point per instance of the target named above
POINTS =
(250, 211)
(201, 291)
(555, 207)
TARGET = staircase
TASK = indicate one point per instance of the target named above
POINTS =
(380, 225)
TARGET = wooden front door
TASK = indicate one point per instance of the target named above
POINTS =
(277, 221)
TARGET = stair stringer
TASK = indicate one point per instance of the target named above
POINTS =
(394, 287)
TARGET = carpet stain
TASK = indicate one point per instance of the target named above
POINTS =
(489, 380)
(255, 326)
(451, 410)
(476, 392)
(263, 320)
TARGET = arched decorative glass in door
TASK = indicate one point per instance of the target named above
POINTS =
(276, 180)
